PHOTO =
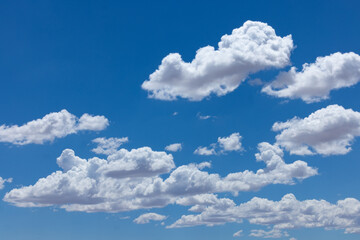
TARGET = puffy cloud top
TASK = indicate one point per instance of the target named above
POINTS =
(249, 49)
(316, 80)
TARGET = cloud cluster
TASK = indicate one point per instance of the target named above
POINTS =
(274, 233)
(51, 126)
(129, 180)
(316, 80)
(224, 144)
(108, 146)
(175, 147)
(288, 213)
(147, 217)
(248, 49)
(3, 181)
(328, 131)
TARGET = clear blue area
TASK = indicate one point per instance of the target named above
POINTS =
(92, 56)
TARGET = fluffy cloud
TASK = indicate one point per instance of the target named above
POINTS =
(316, 80)
(224, 144)
(129, 180)
(230, 143)
(288, 213)
(248, 49)
(174, 147)
(3, 181)
(51, 126)
(327, 131)
(274, 233)
(108, 146)
(147, 217)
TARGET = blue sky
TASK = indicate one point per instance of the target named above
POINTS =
(79, 69)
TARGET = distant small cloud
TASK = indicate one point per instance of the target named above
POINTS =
(175, 147)
(175, 113)
(3, 181)
(224, 144)
(203, 117)
(147, 217)
(108, 146)
(238, 233)
(256, 82)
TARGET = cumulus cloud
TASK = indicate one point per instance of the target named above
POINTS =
(248, 49)
(316, 80)
(147, 217)
(51, 126)
(238, 233)
(108, 146)
(230, 143)
(224, 144)
(129, 180)
(274, 233)
(175, 147)
(328, 131)
(288, 213)
(3, 181)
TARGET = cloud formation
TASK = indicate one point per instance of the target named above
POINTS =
(224, 144)
(316, 80)
(51, 126)
(129, 180)
(108, 146)
(238, 233)
(328, 131)
(248, 49)
(3, 181)
(147, 217)
(274, 233)
(288, 213)
(175, 147)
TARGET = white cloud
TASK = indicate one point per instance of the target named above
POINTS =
(274, 233)
(203, 117)
(3, 181)
(288, 213)
(108, 146)
(316, 80)
(238, 233)
(147, 217)
(51, 126)
(230, 143)
(129, 180)
(248, 49)
(175, 147)
(205, 151)
(224, 144)
(328, 131)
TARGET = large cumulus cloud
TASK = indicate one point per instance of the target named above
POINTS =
(129, 180)
(248, 49)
